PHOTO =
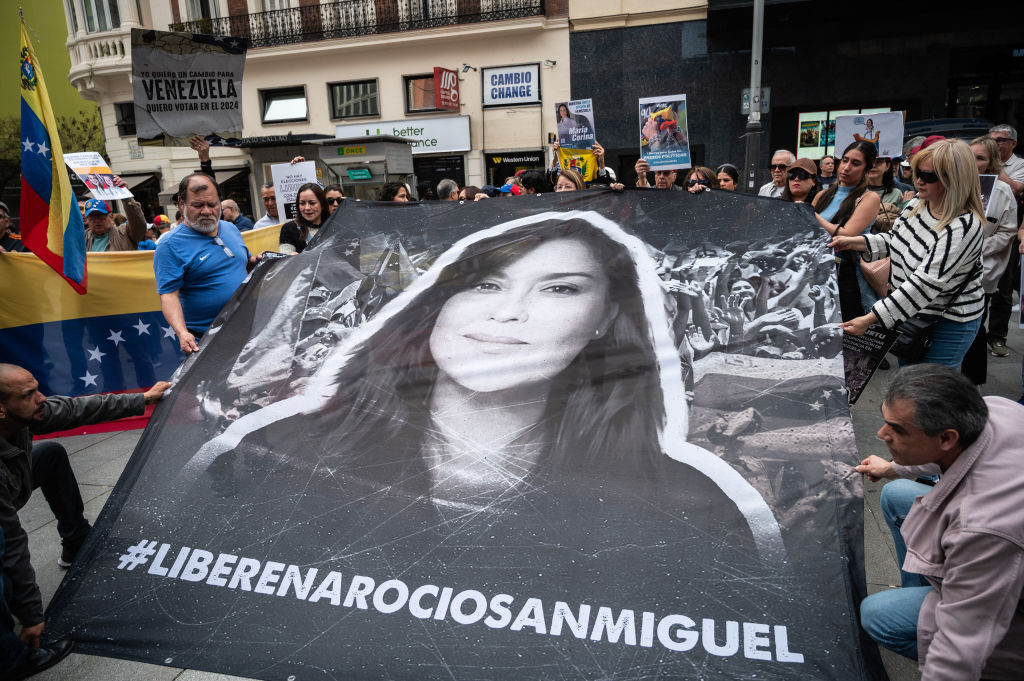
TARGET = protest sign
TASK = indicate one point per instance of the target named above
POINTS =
(575, 122)
(884, 130)
(186, 84)
(93, 171)
(862, 355)
(988, 183)
(388, 461)
(664, 143)
(287, 180)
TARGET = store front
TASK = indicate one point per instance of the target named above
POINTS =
(436, 145)
(500, 165)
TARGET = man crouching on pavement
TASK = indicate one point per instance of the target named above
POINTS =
(960, 610)
(25, 412)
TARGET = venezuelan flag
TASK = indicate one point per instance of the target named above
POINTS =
(112, 339)
(51, 224)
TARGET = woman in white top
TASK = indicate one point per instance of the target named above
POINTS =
(1000, 228)
(935, 247)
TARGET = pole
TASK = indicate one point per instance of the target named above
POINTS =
(753, 133)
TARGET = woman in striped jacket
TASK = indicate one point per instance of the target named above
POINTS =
(935, 247)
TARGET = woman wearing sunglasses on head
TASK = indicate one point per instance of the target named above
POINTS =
(801, 181)
(847, 208)
(310, 212)
(935, 247)
(700, 179)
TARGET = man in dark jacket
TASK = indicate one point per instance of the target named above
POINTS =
(24, 411)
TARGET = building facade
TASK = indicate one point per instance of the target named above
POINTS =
(349, 69)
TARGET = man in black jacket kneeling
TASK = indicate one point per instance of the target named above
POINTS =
(25, 412)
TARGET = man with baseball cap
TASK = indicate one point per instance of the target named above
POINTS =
(102, 235)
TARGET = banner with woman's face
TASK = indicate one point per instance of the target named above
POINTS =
(597, 437)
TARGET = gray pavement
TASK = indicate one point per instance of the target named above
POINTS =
(99, 459)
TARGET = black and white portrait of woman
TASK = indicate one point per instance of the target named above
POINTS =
(538, 346)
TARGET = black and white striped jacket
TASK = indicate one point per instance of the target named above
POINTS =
(928, 266)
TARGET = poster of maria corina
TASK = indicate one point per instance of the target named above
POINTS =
(592, 435)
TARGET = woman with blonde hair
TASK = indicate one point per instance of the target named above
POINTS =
(935, 247)
(568, 180)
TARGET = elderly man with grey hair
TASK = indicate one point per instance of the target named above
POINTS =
(781, 159)
(960, 541)
(229, 209)
(448, 190)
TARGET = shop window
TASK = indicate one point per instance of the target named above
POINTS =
(419, 94)
(354, 99)
(124, 113)
(284, 105)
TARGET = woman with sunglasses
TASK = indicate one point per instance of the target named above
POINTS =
(334, 197)
(847, 208)
(310, 212)
(728, 177)
(801, 181)
(700, 179)
(935, 247)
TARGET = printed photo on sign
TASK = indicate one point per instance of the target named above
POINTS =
(93, 171)
(596, 432)
(187, 84)
(288, 178)
(663, 140)
(575, 122)
(884, 130)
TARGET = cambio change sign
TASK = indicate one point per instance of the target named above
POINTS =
(507, 85)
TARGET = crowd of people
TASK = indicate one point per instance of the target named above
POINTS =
(953, 249)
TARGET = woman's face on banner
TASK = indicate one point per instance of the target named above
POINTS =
(563, 112)
(526, 322)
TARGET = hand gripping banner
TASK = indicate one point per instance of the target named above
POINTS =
(578, 436)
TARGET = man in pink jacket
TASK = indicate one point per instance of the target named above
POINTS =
(960, 542)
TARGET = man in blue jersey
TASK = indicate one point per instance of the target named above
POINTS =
(199, 265)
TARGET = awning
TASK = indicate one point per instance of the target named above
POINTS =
(220, 175)
(134, 181)
(223, 175)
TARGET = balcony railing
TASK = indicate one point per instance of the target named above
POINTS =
(358, 17)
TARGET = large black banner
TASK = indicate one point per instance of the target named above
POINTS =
(578, 436)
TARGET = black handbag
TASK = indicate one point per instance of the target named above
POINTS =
(915, 334)
(914, 339)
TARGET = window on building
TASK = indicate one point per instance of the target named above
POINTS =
(354, 99)
(124, 112)
(271, 5)
(73, 12)
(202, 9)
(284, 105)
(101, 15)
(419, 93)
